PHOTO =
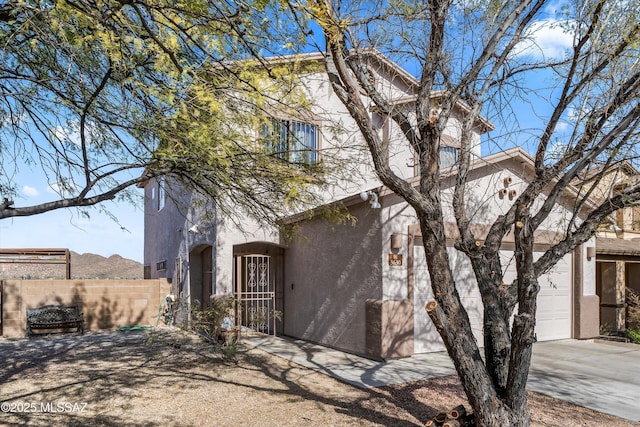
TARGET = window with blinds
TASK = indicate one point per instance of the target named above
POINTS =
(292, 141)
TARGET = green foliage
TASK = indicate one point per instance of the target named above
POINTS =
(634, 335)
(207, 321)
(213, 142)
(229, 350)
(98, 94)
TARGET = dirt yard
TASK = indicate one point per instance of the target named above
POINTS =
(116, 379)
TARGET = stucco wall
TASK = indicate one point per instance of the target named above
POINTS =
(167, 235)
(230, 235)
(186, 223)
(396, 217)
(106, 304)
(330, 272)
(390, 332)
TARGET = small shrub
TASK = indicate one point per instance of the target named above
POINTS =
(229, 350)
(210, 322)
(176, 312)
(634, 336)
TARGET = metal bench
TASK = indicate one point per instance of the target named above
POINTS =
(54, 317)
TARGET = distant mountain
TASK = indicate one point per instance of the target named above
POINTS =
(83, 266)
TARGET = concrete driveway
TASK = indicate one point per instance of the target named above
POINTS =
(597, 375)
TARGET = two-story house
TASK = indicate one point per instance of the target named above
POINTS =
(356, 287)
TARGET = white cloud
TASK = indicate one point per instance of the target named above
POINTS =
(27, 190)
(545, 39)
(53, 189)
(67, 134)
(11, 119)
(552, 8)
(563, 126)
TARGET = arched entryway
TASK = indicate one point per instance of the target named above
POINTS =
(258, 287)
(201, 275)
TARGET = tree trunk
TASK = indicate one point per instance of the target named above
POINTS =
(496, 328)
(523, 335)
(453, 325)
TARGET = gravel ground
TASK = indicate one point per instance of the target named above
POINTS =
(173, 379)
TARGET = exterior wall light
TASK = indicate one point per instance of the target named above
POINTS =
(372, 197)
(396, 241)
(591, 252)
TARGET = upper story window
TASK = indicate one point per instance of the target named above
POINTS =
(448, 157)
(449, 153)
(161, 192)
(293, 141)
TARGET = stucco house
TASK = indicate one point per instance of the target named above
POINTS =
(617, 252)
(358, 287)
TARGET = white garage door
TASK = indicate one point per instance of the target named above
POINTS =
(554, 302)
(426, 338)
(554, 299)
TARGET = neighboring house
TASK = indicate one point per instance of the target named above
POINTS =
(359, 288)
(617, 252)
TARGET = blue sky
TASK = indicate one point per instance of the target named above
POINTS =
(66, 228)
(99, 234)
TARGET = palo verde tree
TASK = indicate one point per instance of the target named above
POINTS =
(482, 54)
(101, 95)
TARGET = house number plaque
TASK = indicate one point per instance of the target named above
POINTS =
(395, 260)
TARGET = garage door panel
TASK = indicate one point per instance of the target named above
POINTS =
(427, 338)
(554, 299)
(554, 302)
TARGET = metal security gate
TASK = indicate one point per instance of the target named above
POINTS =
(255, 294)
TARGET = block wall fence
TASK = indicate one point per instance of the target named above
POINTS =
(106, 304)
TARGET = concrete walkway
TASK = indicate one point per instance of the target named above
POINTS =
(596, 375)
